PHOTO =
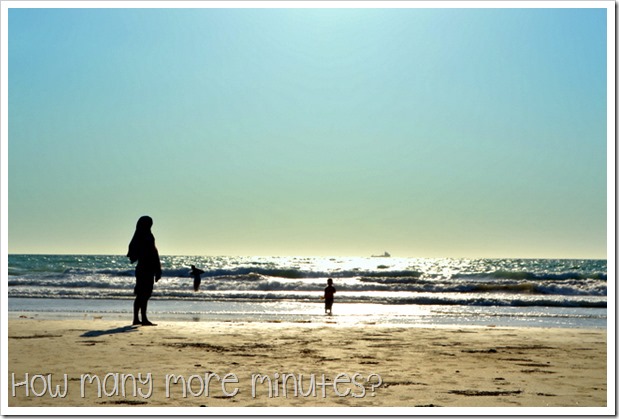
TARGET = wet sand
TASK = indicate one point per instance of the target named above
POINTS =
(230, 365)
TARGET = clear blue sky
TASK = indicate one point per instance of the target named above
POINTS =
(424, 132)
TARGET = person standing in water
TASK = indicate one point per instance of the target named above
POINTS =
(329, 296)
(148, 270)
(195, 272)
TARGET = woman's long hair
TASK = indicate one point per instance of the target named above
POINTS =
(143, 241)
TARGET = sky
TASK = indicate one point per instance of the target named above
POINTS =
(425, 132)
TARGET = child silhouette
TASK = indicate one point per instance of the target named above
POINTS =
(329, 296)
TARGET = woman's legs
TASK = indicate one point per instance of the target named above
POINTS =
(140, 306)
(143, 291)
(136, 310)
(145, 321)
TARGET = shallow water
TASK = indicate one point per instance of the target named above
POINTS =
(345, 314)
(402, 291)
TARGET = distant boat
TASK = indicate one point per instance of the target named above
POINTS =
(384, 255)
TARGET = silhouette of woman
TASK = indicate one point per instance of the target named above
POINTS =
(148, 270)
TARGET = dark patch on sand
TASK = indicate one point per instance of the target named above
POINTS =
(534, 364)
(403, 383)
(492, 393)
(480, 351)
(537, 370)
(129, 402)
(35, 337)
(526, 347)
(218, 348)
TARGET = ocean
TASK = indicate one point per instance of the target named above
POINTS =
(370, 290)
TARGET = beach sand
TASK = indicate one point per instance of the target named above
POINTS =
(418, 367)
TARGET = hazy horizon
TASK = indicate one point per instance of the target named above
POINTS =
(343, 256)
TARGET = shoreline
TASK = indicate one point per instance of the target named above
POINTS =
(318, 321)
(349, 314)
(417, 367)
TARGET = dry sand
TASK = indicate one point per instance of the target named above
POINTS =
(453, 367)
